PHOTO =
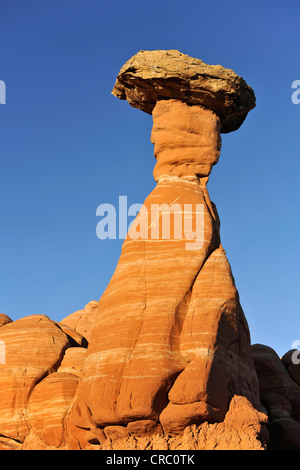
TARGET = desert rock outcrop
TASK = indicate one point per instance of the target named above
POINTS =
(82, 320)
(280, 394)
(34, 346)
(164, 359)
(170, 344)
(243, 428)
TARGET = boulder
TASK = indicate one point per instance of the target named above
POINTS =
(150, 76)
(48, 406)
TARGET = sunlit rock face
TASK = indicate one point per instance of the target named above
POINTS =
(163, 360)
(186, 140)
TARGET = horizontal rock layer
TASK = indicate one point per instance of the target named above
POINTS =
(163, 361)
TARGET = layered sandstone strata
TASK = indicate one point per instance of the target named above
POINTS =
(33, 347)
(280, 393)
(170, 344)
(163, 361)
(243, 428)
(82, 320)
(151, 76)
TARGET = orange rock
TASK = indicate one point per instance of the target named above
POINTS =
(48, 406)
(82, 320)
(4, 319)
(170, 340)
(9, 444)
(281, 397)
(75, 338)
(168, 363)
(291, 360)
(72, 361)
(243, 428)
(34, 346)
(133, 356)
(274, 377)
(284, 434)
(116, 432)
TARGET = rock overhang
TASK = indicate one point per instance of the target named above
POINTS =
(150, 76)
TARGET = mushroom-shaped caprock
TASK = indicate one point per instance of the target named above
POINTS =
(150, 76)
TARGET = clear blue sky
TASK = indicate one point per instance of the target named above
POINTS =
(67, 145)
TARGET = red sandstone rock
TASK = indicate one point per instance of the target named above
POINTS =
(34, 346)
(291, 360)
(146, 427)
(243, 428)
(75, 338)
(186, 140)
(133, 355)
(215, 343)
(284, 434)
(168, 364)
(151, 76)
(4, 319)
(82, 320)
(170, 341)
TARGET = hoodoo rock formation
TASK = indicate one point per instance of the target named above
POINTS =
(164, 359)
(170, 346)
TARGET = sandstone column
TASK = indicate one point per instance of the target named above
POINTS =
(171, 344)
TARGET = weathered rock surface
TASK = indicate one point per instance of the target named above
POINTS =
(34, 397)
(73, 361)
(34, 346)
(163, 360)
(186, 140)
(243, 428)
(280, 394)
(150, 76)
(4, 319)
(48, 406)
(170, 344)
(82, 320)
(43, 419)
(291, 360)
